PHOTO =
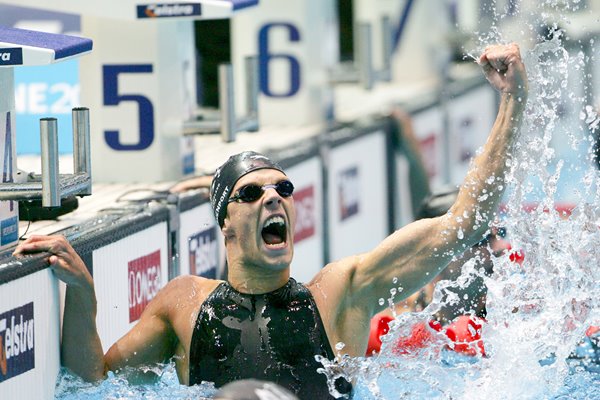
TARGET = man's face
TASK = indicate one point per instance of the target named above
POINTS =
(260, 233)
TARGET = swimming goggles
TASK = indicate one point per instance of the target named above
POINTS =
(252, 192)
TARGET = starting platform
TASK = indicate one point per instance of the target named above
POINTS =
(20, 47)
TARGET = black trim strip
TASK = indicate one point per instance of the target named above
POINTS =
(296, 153)
(86, 237)
(188, 201)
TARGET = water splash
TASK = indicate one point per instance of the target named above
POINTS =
(538, 311)
(115, 387)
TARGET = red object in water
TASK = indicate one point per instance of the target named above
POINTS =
(517, 256)
(465, 332)
(379, 327)
(419, 338)
(592, 330)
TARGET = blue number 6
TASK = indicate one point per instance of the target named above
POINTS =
(113, 98)
(265, 56)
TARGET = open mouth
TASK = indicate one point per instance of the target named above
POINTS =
(274, 231)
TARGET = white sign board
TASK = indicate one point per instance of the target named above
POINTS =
(428, 127)
(127, 275)
(29, 337)
(201, 246)
(470, 119)
(296, 43)
(307, 177)
(357, 195)
(139, 82)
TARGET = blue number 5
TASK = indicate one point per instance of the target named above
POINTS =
(113, 98)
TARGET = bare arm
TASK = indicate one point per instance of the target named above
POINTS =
(416, 253)
(81, 350)
(152, 340)
(165, 327)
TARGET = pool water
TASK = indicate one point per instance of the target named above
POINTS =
(580, 383)
(423, 379)
(70, 387)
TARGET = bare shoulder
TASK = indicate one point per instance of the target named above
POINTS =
(197, 284)
(332, 290)
(184, 292)
(330, 284)
(337, 268)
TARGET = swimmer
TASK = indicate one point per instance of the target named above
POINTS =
(260, 323)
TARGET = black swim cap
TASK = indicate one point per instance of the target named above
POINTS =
(229, 173)
(253, 389)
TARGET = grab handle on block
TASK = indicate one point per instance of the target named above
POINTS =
(252, 88)
(226, 103)
(49, 148)
(81, 144)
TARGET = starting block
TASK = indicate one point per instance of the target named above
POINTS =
(19, 47)
(141, 82)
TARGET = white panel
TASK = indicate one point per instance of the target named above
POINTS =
(32, 55)
(470, 119)
(308, 197)
(200, 242)
(41, 290)
(153, 68)
(372, 12)
(358, 206)
(111, 278)
(299, 47)
(423, 51)
(428, 128)
(467, 15)
(403, 207)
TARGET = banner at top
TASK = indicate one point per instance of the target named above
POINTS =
(142, 10)
(165, 10)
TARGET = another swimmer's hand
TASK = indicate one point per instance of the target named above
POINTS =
(63, 259)
(504, 69)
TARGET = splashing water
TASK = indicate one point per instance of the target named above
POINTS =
(538, 311)
(116, 387)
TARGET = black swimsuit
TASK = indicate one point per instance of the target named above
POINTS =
(273, 336)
